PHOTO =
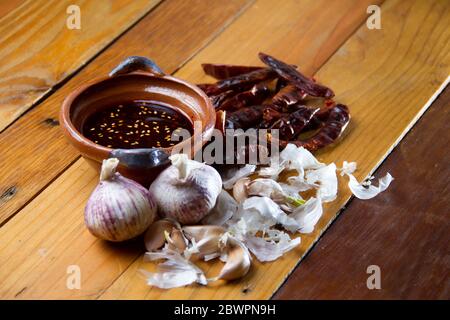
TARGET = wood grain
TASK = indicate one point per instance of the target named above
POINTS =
(69, 241)
(405, 232)
(28, 164)
(8, 6)
(38, 51)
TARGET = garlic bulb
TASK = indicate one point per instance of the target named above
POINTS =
(187, 190)
(119, 208)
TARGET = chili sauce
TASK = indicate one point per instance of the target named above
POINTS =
(136, 124)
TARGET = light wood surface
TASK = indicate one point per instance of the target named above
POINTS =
(38, 51)
(385, 76)
(30, 163)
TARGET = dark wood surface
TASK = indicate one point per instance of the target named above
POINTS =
(405, 231)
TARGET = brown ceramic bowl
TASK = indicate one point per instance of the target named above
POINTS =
(135, 78)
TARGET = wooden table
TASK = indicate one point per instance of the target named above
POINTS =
(389, 77)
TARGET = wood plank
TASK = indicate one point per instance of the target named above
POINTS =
(72, 243)
(405, 232)
(40, 137)
(38, 51)
(386, 77)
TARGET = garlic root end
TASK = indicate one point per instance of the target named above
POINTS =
(108, 170)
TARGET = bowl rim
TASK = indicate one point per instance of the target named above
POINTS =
(81, 142)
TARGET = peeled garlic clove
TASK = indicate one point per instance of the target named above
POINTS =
(240, 192)
(207, 246)
(264, 188)
(187, 190)
(119, 208)
(154, 238)
(238, 260)
(273, 190)
(200, 232)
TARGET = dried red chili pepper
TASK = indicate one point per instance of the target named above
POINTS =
(223, 71)
(321, 116)
(270, 115)
(334, 126)
(239, 83)
(217, 100)
(291, 125)
(242, 89)
(288, 96)
(255, 96)
(207, 88)
(281, 83)
(245, 118)
(296, 78)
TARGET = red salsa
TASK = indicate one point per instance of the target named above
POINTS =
(136, 124)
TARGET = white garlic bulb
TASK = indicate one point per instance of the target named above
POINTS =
(187, 190)
(119, 208)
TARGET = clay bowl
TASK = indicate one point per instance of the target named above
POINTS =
(135, 78)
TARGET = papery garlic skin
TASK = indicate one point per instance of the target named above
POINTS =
(187, 190)
(119, 208)
(176, 271)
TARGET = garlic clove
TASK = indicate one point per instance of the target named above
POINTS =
(240, 192)
(233, 175)
(154, 237)
(225, 208)
(200, 232)
(273, 190)
(207, 246)
(264, 188)
(177, 240)
(238, 260)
